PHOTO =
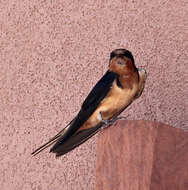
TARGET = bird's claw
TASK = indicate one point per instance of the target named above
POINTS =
(109, 122)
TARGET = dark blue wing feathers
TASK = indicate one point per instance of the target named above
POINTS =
(100, 90)
(97, 94)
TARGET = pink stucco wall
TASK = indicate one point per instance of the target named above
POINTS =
(53, 52)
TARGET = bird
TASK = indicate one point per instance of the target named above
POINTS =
(122, 83)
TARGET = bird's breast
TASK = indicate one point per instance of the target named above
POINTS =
(116, 100)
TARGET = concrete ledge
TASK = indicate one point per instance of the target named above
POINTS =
(142, 155)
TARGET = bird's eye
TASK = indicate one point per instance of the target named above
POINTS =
(120, 63)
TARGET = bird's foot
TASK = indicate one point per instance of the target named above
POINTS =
(109, 122)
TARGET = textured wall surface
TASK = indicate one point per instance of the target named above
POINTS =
(53, 52)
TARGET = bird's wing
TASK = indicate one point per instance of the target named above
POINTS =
(97, 94)
(68, 139)
(100, 90)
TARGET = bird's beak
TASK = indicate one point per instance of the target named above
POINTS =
(143, 71)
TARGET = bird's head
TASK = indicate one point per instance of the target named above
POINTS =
(122, 62)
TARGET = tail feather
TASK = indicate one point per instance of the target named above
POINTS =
(74, 141)
(63, 144)
(46, 145)
(52, 140)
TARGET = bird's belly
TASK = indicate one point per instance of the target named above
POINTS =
(114, 104)
(116, 100)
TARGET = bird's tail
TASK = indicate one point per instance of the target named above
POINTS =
(75, 140)
(51, 141)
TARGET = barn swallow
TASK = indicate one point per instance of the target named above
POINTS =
(113, 93)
